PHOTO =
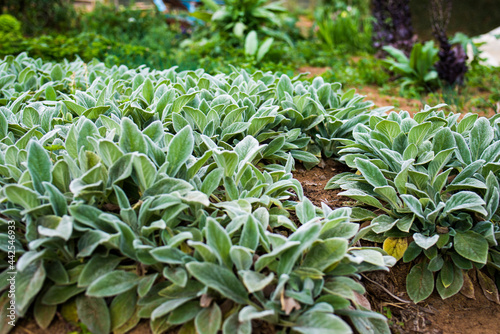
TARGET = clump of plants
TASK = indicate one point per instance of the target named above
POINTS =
(146, 28)
(40, 16)
(10, 33)
(417, 72)
(436, 180)
(236, 17)
(142, 194)
(429, 67)
(247, 28)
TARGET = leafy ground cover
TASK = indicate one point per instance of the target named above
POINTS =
(139, 193)
(131, 199)
(386, 291)
(209, 198)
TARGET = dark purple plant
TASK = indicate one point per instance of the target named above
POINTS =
(392, 25)
(451, 66)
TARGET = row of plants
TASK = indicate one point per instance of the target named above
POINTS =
(142, 194)
(258, 36)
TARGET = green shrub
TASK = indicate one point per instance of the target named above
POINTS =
(237, 17)
(418, 71)
(131, 26)
(88, 46)
(10, 35)
(9, 24)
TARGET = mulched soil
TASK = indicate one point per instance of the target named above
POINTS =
(314, 181)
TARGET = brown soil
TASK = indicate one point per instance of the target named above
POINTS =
(462, 105)
(399, 103)
(314, 181)
(57, 326)
(455, 315)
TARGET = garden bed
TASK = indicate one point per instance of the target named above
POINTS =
(217, 199)
(386, 291)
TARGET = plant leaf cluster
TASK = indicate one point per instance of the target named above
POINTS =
(436, 180)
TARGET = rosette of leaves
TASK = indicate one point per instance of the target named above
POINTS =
(116, 224)
(436, 180)
(323, 111)
(243, 276)
(344, 110)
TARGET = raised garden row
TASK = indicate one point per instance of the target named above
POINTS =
(143, 194)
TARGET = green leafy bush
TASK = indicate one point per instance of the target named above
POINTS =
(131, 26)
(437, 181)
(88, 46)
(9, 24)
(10, 34)
(236, 17)
(418, 71)
(138, 194)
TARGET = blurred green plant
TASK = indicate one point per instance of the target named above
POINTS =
(368, 70)
(252, 48)
(10, 33)
(130, 25)
(9, 24)
(344, 27)
(235, 17)
(418, 71)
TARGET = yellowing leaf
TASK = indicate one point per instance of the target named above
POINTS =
(396, 247)
(68, 311)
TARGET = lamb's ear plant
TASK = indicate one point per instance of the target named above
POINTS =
(436, 181)
(125, 230)
(289, 115)
(255, 50)
(134, 196)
